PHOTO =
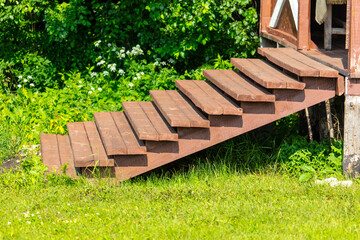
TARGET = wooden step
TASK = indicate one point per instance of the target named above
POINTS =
(87, 145)
(177, 110)
(238, 86)
(266, 75)
(297, 63)
(147, 122)
(117, 135)
(206, 97)
(56, 152)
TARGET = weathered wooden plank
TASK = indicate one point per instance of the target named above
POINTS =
(265, 14)
(80, 144)
(266, 75)
(195, 117)
(169, 109)
(140, 122)
(132, 143)
(66, 154)
(328, 28)
(324, 71)
(229, 107)
(238, 87)
(354, 48)
(101, 159)
(201, 99)
(50, 151)
(165, 132)
(303, 37)
(351, 160)
(111, 138)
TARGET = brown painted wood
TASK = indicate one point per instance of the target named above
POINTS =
(303, 35)
(297, 63)
(66, 154)
(140, 122)
(340, 86)
(237, 86)
(147, 122)
(265, 14)
(283, 36)
(101, 159)
(316, 91)
(80, 144)
(354, 48)
(50, 152)
(286, 22)
(166, 133)
(265, 74)
(132, 143)
(111, 138)
(206, 97)
(178, 111)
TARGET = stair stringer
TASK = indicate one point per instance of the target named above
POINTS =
(288, 102)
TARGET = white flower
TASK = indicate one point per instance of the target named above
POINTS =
(105, 73)
(121, 72)
(114, 49)
(97, 43)
(29, 77)
(79, 81)
(26, 214)
(156, 63)
(135, 78)
(92, 88)
(142, 73)
(100, 63)
(28, 222)
(100, 89)
(90, 92)
(97, 213)
(172, 61)
(32, 85)
(131, 84)
(163, 63)
(99, 57)
(112, 67)
(9, 223)
(20, 77)
(79, 86)
(19, 86)
(109, 44)
(93, 74)
(121, 55)
(122, 50)
(25, 80)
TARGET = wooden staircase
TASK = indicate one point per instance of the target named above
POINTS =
(201, 114)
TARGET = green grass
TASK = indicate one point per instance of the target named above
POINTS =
(196, 206)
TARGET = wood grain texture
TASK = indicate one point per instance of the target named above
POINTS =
(265, 74)
(50, 151)
(177, 110)
(66, 154)
(206, 97)
(79, 141)
(303, 35)
(147, 122)
(297, 63)
(101, 159)
(237, 86)
(354, 48)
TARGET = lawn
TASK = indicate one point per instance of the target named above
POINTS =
(207, 201)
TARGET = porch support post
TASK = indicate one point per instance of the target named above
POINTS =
(351, 160)
(304, 24)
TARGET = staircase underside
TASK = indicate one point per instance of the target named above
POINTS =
(176, 124)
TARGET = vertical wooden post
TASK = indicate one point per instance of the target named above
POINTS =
(304, 24)
(354, 48)
(265, 14)
(351, 161)
(328, 28)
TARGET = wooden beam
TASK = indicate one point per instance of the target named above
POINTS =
(265, 14)
(304, 24)
(354, 47)
(328, 28)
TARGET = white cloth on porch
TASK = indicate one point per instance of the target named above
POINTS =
(321, 9)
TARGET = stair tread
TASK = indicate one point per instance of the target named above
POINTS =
(116, 134)
(238, 86)
(297, 62)
(66, 154)
(177, 110)
(208, 98)
(147, 122)
(80, 144)
(100, 157)
(266, 75)
(50, 151)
